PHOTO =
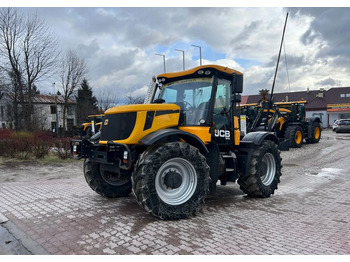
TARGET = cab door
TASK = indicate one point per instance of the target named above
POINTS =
(221, 113)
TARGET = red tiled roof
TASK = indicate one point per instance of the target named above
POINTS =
(244, 99)
(314, 102)
(334, 95)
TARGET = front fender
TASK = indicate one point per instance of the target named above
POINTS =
(170, 135)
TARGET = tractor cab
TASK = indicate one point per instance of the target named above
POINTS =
(206, 96)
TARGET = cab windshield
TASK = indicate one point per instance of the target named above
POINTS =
(192, 95)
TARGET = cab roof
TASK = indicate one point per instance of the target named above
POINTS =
(91, 116)
(222, 70)
(291, 102)
(252, 104)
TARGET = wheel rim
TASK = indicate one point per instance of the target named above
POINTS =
(176, 181)
(267, 169)
(317, 132)
(298, 137)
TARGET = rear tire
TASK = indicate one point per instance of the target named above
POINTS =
(315, 133)
(171, 181)
(264, 171)
(295, 134)
(105, 183)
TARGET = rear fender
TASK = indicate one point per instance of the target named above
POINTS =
(313, 119)
(248, 144)
(258, 137)
(310, 121)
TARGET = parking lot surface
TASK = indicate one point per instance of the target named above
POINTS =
(309, 214)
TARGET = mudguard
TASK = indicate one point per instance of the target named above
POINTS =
(246, 148)
(170, 135)
(313, 119)
(258, 137)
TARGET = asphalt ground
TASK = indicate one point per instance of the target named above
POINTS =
(308, 214)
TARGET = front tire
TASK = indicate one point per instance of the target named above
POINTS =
(105, 183)
(264, 171)
(171, 181)
(295, 134)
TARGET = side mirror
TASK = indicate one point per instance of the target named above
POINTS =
(237, 83)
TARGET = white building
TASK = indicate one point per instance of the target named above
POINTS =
(45, 112)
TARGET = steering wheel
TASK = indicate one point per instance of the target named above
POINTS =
(188, 106)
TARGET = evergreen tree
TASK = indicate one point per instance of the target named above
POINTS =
(86, 102)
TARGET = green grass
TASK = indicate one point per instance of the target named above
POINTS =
(47, 160)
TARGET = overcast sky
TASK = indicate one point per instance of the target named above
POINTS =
(119, 44)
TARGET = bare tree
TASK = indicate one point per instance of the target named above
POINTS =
(11, 31)
(106, 99)
(135, 100)
(73, 70)
(40, 56)
(29, 53)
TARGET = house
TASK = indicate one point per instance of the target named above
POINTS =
(46, 109)
(329, 105)
(338, 106)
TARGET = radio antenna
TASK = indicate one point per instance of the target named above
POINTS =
(278, 60)
(274, 79)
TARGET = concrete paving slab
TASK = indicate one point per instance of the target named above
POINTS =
(309, 214)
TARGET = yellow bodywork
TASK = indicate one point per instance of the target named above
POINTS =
(86, 125)
(290, 103)
(281, 121)
(202, 132)
(236, 132)
(169, 118)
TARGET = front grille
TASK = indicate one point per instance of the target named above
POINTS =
(118, 126)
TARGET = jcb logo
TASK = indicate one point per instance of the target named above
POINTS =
(222, 133)
(106, 122)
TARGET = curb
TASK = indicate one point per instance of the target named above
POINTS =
(20, 243)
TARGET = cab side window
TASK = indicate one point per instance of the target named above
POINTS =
(222, 98)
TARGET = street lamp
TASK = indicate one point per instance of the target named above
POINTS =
(200, 53)
(163, 61)
(183, 58)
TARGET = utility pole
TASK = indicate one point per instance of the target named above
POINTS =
(54, 91)
(163, 61)
(200, 53)
(183, 58)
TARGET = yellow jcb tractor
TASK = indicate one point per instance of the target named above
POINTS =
(91, 127)
(288, 120)
(172, 151)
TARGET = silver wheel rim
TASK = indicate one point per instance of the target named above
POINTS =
(182, 193)
(267, 169)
